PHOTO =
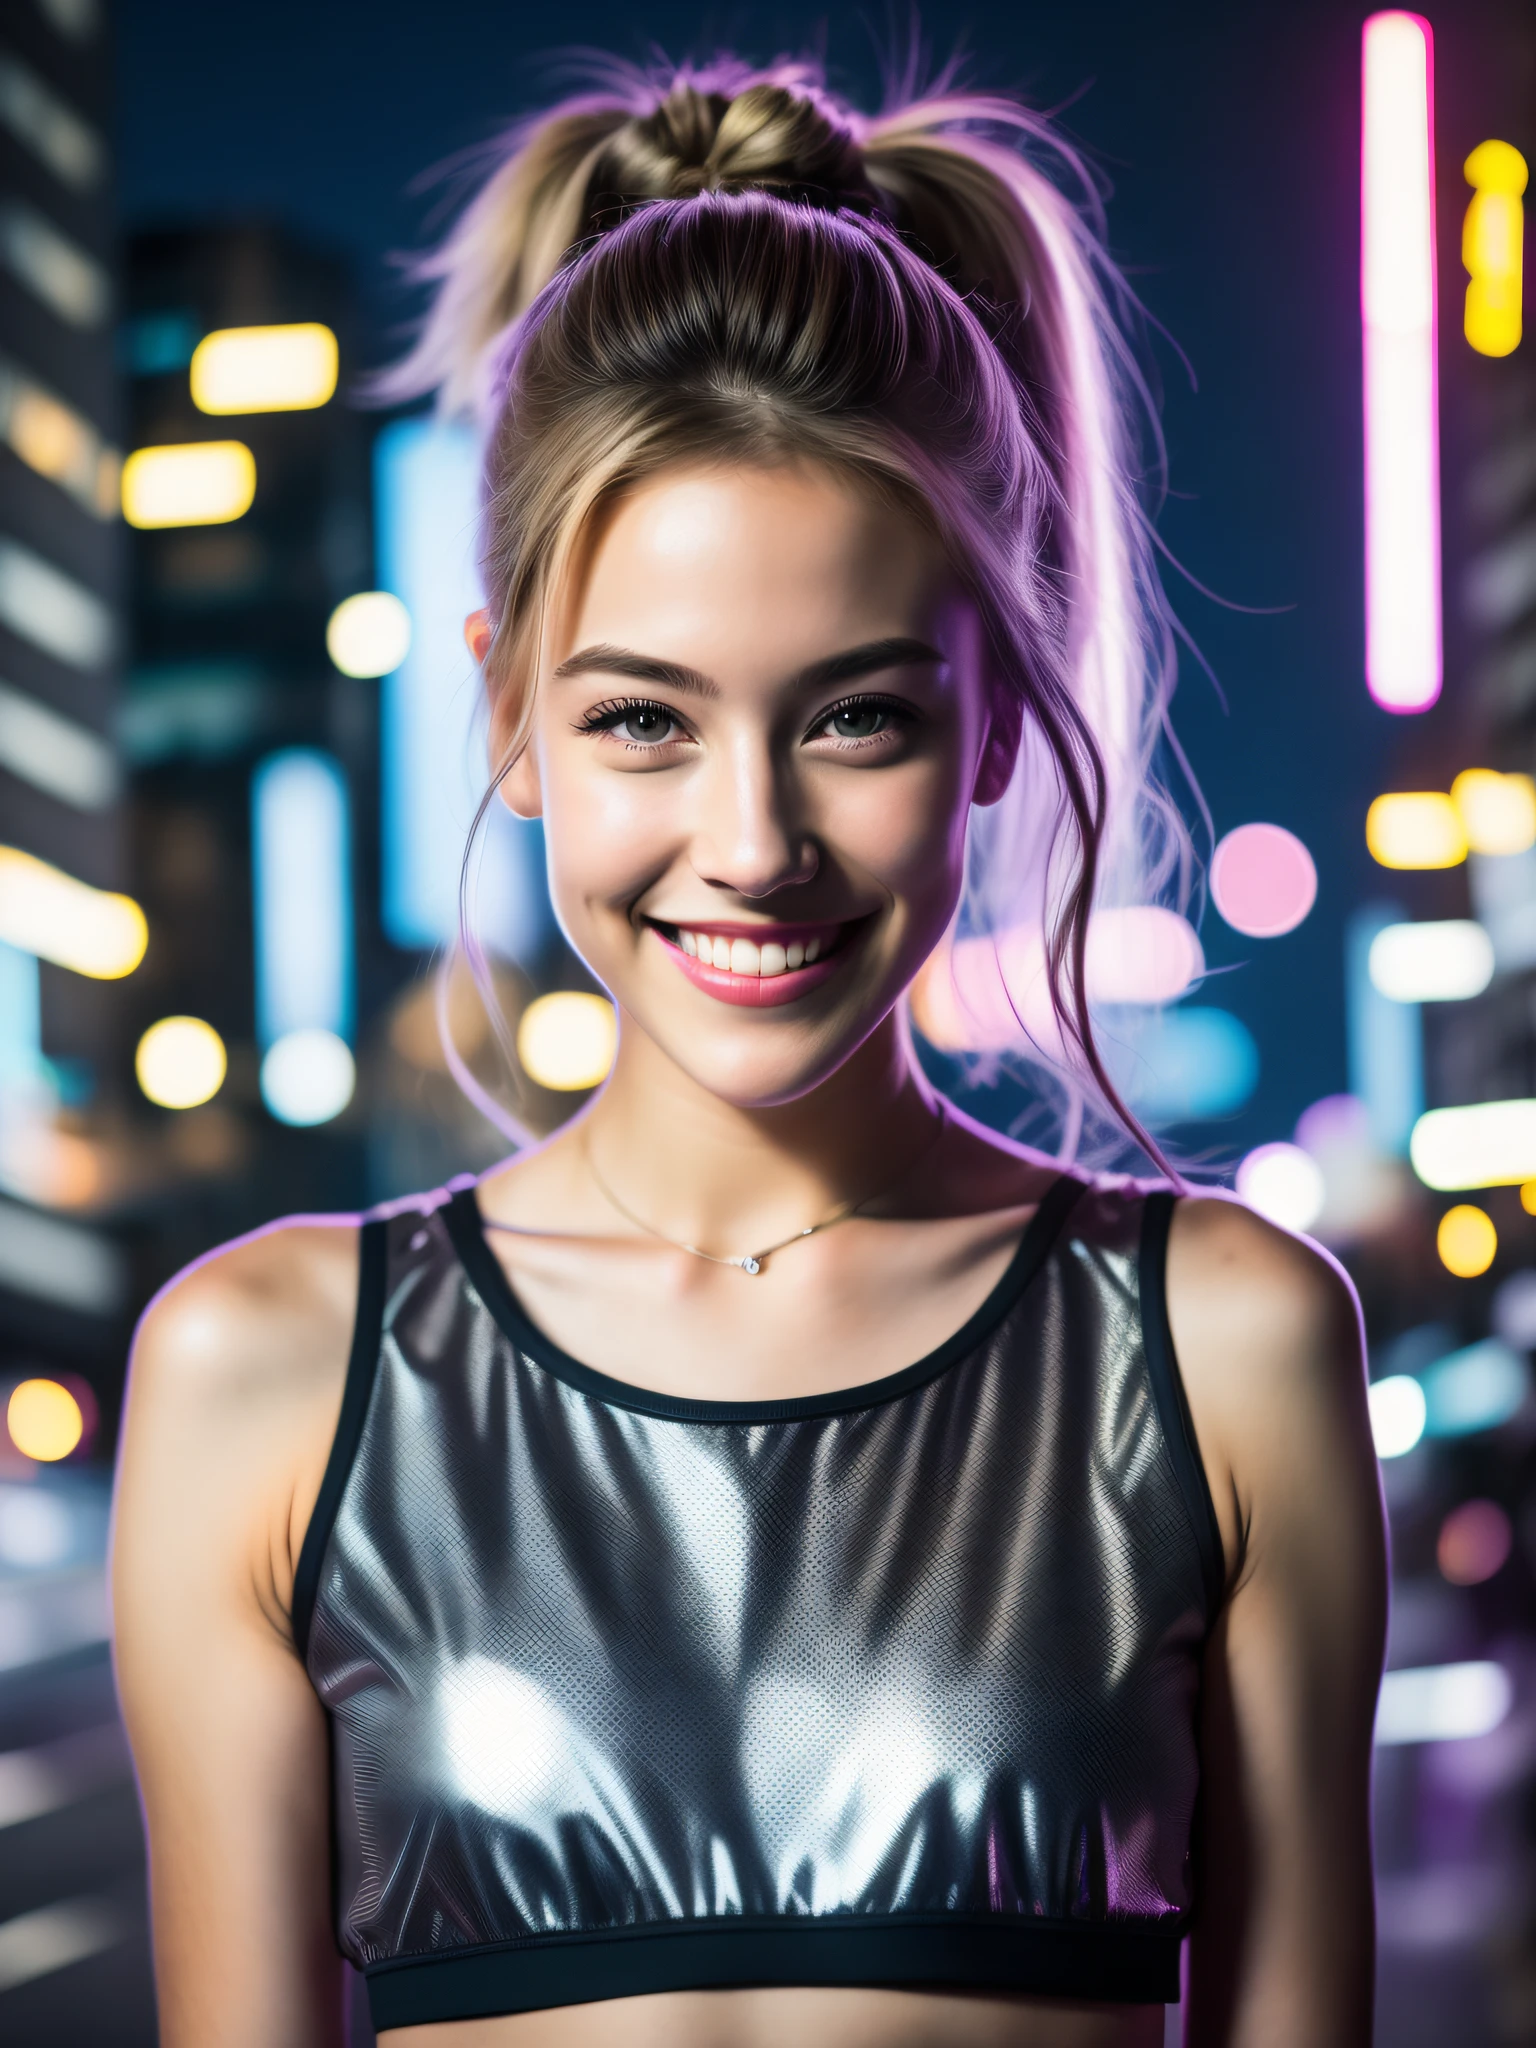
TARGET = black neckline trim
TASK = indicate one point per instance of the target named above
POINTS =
(466, 1228)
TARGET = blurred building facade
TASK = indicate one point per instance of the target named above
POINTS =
(64, 1283)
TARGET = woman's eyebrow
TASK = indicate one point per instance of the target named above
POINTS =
(896, 652)
(604, 660)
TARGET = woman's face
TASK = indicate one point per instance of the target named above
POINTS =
(758, 729)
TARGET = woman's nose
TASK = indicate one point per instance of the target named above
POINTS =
(750, 836)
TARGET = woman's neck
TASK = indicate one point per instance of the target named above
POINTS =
(711, 1172)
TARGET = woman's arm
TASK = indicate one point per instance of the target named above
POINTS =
(234, 1393)
(1267, 1334)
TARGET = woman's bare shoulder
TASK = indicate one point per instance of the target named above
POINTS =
(1266, 1329)
(264, 1317)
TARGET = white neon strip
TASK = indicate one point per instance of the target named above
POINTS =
(1397, 303)
(302, 868)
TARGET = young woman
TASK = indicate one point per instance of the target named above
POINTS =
(777, 1561)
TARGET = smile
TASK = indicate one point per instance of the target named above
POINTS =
(758, 966)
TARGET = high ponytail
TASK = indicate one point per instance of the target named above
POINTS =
(734, 265)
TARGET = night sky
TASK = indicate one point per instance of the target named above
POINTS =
(1230, 136)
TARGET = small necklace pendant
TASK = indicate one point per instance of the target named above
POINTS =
(750, 1265)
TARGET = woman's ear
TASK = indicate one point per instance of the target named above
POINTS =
(520, 789)
(477, 633)
(1000, 751)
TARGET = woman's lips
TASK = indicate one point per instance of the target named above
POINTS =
(755, 972)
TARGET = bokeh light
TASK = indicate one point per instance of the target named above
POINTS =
(1284, 1184)
(1474, 1542)
(1466, 1241)
(1141, 954)
(1398, 1410)
(1443, 1702)
(1415, 829)
(180, 1062)
(1492, 244)
(1190, 1062)
(307, 1077)
(1528, 1197)
(1479, 1387)
(1514, 1311)
(1263, 880)
(1478, 1145)
(46, 912)
(45, 1420)
(1446, 960)
(567, 1040)
(369, 634)
(264, 369)
(1498, 812)
(192, 483)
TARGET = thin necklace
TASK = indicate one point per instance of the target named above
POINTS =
(752, 1262)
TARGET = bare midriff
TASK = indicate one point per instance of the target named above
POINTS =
(807, 2018)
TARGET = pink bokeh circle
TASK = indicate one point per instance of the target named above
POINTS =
(1263, 880)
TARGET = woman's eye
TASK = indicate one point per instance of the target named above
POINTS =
(636, 723)
(647, 724)
(866, 718)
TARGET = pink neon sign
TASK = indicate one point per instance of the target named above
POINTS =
(1397, 305)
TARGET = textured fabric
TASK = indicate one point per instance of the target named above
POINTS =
(600, 1663)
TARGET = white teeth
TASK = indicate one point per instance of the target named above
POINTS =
(746, 956)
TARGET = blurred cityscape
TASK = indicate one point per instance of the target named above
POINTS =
(240, 757)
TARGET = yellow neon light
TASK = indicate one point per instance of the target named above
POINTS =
(193, 483)
(264, 369)
(1492, 240)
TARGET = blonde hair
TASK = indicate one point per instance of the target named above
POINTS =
(733, 264)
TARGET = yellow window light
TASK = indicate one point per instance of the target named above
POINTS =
(1492, 239)
(369, 635)
(1415, 829)
(180, 1062)
(44, 1420)
(192, 483)
(264, 369)
(1481, 1145)
(46, 912)
(567, 1040)
(1498, 812)
(1466, 1241)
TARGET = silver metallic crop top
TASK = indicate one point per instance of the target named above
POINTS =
(892, 1686)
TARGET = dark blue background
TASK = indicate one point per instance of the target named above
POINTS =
(1231, 137)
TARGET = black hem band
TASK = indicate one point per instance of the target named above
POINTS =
(362, 1366)
(1102, 1963)
(1172, 1402)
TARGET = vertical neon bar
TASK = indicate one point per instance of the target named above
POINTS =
(302, 870)
(1397, 303)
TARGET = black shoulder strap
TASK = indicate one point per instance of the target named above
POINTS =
(1168, 1393)
(367, 1335)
